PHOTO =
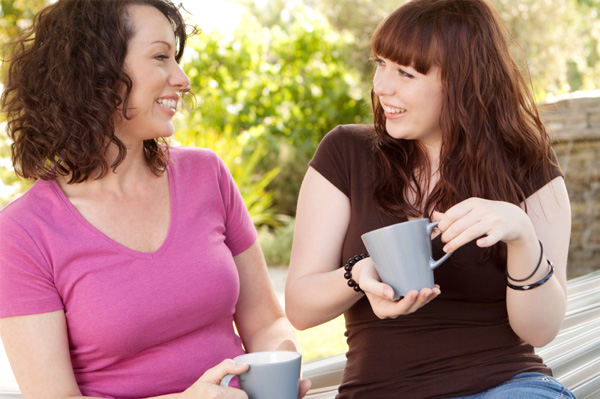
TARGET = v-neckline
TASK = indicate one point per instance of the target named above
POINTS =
(123, 248)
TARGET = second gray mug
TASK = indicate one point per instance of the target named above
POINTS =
(272, 374)
(402, 255)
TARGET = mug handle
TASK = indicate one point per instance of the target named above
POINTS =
(227, 379)
(435, 263)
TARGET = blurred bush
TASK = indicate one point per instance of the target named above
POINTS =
(276, 242)
(280, 88)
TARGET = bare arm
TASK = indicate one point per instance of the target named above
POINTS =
(37, 349)
(259, 318)
(316, 291)
(536, 315)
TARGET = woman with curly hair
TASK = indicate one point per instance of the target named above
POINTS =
(457, 139)
(126, 265)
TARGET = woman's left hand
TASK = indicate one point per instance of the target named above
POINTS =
(484, 220)
(381, 295)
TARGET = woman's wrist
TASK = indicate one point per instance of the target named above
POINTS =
(526, 261)
(352, 272)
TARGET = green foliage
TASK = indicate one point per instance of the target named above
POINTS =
(10, 186)
(276, 242)
(291, 80)
(281, 86)
(554, 39)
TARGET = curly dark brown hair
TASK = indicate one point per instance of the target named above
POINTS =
(63, 88)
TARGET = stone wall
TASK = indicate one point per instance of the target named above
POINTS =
(573, 123)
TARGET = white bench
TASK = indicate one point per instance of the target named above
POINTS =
(574, 355)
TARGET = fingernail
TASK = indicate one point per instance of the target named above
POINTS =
(388, 293)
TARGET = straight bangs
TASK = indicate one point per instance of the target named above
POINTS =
(407, 38)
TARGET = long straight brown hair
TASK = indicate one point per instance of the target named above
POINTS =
(493, 140)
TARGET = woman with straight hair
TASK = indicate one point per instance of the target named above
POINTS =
(457, 139)
(127, 267)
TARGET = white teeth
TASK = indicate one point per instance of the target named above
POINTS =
(391, 110)
(168, 103)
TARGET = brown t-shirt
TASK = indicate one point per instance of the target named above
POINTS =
(460, 343)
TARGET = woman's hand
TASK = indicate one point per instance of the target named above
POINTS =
(208, 386)
(534, 315)
(486, 221)
(381, 296)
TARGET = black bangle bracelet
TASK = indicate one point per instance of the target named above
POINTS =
(534, 285)
(348, 275)
(534, 270)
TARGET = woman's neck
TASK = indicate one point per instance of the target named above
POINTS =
(132, 172)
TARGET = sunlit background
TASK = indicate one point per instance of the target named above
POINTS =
(219, 15)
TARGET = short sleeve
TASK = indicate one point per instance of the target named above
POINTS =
(342, 156)
(240, 232)
(541, 178)
(26, 281)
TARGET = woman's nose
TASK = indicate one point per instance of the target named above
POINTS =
(383, 85)
(178, 78)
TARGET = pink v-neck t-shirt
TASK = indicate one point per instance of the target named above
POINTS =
(139, 324)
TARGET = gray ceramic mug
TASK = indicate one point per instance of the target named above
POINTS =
(272, 374)
(402, 255)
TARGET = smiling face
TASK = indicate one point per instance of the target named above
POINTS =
(412, 101)
(157, 79)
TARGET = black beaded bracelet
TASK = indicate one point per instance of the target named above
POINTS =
(534, 285)
(348, 275)
(534, 270)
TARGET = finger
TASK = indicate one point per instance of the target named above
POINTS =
(455, 213)
(408, 304)
(436, 216)
(215, 375)
(385, 308)
(469, 229)
(304, 388)
(378, 289)
(453, 228)
(425, 296)
(371, 283)
(488, 240)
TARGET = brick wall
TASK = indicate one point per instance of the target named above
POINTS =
(573, 123)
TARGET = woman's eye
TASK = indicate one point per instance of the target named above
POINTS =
(377, 61)
(161, 57)
(405, 74)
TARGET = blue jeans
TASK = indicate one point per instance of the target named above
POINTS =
(526, 386)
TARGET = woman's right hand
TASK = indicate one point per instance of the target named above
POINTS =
(208, 386)
(381, 295)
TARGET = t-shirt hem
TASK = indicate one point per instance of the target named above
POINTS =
(29, 308)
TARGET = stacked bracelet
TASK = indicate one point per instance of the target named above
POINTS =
(348, 275)
(536, 284)
(534, 270)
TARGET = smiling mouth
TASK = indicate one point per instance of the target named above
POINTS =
(393, 110)
(172, 104)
